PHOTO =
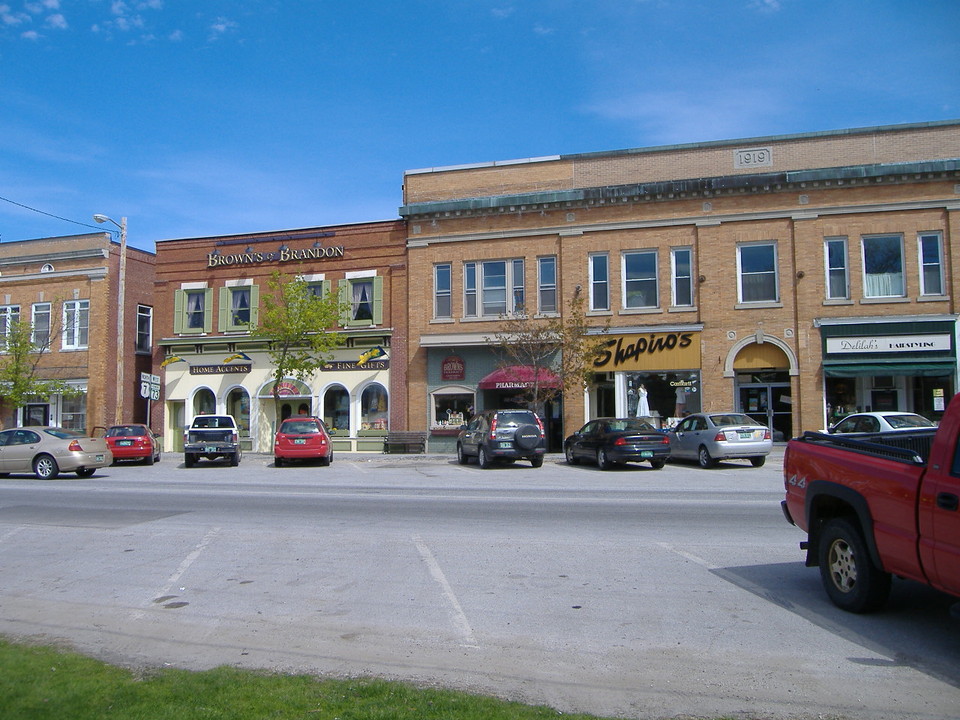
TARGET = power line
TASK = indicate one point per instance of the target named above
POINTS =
(57, 217)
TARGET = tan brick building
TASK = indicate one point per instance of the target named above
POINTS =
(208, 292)
(794, 278)
(69, 287)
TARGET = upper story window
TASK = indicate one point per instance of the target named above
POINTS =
(442, 291)
(40, 323)
(931, 264)
(76, 324)
(497, 283)
(547, 284)
(838, 275)
(599, 271)
(192, 311)
(883, 267)
(239, 306)
(640, 287)
(681, 270)
(757, 269)
(144, 329)
(9, 314)
(363, 292)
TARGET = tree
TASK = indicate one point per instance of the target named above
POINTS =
(556, 346)
(296, 324)
(22, 379)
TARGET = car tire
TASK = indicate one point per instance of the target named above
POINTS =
(483, 457)
(148, 460)
(188, 460)
(758, 461)
(85, 472)
(45, 467)
(658, 464)
(537, 461)
(462, 458)
(571, 458)
(235, 459)
(527, 437)
(703, 456)
(603, 461)
(851, 580)
(277, 462)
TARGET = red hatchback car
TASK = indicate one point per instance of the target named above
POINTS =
(133, 442)
(302, 438)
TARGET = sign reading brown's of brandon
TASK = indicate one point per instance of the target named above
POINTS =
(651, 352)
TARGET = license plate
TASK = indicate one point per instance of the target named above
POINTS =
(746, 435)
(646, 453)
(210, 450)
(125, 443)
(299, 441)
(99, 458)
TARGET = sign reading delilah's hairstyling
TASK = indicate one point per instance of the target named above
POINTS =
(283, 255)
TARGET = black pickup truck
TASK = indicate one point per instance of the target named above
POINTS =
(212, 437)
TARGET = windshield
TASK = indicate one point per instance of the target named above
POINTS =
(629, 425)
(63, 433)
(732, 419)
(125, 431)
(299, 427)
(907, 421)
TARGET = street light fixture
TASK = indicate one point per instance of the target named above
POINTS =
(122, 225)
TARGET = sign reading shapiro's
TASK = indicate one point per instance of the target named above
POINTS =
(650, 351)
(282, 255)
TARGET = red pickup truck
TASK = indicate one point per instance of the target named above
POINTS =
(875, 506)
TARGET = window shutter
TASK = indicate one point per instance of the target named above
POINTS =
(378, 300)
(223, 311)
(254, 305)
(208, 310)
(179, 298)
(343, 290)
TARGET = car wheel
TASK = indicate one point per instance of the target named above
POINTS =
(571, 458)
(483, 457)
(603, 461)
(277, 462)
(325, 460)
(235, 459)
(461, 455)
(45, 467)
(85, 472)
(537, 461)
(527, 437)
(852, 581)
(658, 464)
(758, 461)
(703, 455)
(148, 460)
(188, 461)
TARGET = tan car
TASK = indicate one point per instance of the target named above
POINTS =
(45, 451)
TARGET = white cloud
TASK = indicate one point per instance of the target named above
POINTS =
(539, 29)
(57, 21)
(502, 13)
(221, 27)
(30, 35)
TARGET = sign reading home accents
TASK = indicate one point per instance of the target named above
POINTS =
(753, 157)
(282, 255)
(220, 369)
(888, 343)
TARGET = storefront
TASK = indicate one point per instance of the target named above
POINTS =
(875, 364)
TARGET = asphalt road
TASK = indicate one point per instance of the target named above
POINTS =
(634, 593)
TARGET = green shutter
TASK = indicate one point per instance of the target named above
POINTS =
(254, 305)
(179, 299)
(378, 300)
(207, 310)
(223, 312)
(343, 290)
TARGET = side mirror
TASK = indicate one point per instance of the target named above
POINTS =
(463, 427)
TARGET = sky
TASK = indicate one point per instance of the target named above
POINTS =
(211, 117)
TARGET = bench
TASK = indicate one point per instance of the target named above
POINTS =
(405, 441)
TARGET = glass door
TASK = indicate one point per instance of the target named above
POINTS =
(770, 405)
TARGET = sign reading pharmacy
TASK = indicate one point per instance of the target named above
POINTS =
(888, 343)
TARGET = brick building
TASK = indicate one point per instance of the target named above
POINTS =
(794, 278)
(208, 292)
(69, 287)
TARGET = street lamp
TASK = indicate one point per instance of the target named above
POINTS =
(118, 416)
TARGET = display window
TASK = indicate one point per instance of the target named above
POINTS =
(451, 407)
(662, 397)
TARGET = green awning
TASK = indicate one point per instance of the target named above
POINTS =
(915, 369)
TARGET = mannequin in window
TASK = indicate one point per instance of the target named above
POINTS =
(643, 405)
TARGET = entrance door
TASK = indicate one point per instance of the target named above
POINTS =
(770, 405)
(36, 414)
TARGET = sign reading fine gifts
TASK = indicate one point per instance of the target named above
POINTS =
(889, 343)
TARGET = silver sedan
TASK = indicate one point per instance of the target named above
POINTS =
(45, 451)
(709, 437)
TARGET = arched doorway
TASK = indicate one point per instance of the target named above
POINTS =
(762, 387)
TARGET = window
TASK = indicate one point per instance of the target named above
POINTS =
(76, 324)
(499, 284)
(442, 297)
(599, 282)
(883, 267)
(336, 410)
(757, 266)
(364, 295)
(40, 322)
(681, 262)
(838, 279)
(73, 412)
(9, 314)
(640, 280)
(452, 407)
(239, 307)
(373, 408)
(547, 284)
(931, 264)
(144, 329)
(192, 311)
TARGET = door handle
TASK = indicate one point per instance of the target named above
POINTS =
(948, 501)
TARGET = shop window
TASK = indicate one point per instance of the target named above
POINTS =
(238, 405)
(40, 322)
(204, 402)
(547, 284)
(364, 296)
(442, 291)
(9, 314)
(640, 288)
(336, 410)
(757, 268)
(144, 329)
(599, 282)
(838, 276)
(497, 283)
(239, 307)
(883, 267)
(73, 412)
(373, 409)
(662, 397)
(931, 264)
(681, 261)
(76, 324)
(451, 407)
(192, 311)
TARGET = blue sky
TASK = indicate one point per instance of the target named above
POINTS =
(223, 116)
